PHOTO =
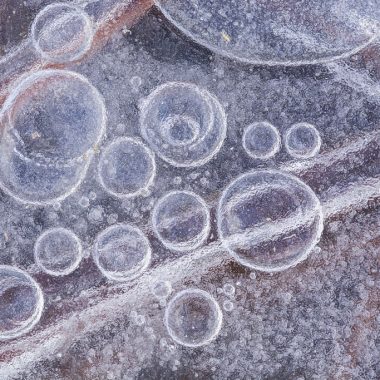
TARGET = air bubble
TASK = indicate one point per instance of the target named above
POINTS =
(126, 168)
(269, 220)
(183, 124)
(266, 32)
(161, 289)
(181, 220)
(21, 301)
(228, 305)
(303, 141)
(54, 117)
(193, 318)
(261, 140)
(122, 252)
(58, 251)
(229, 289)
(62, 32)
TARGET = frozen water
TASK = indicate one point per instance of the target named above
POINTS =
(193, 318)
(126, 168)
(272, 32)
(62, 32)
(58, 251)
(269, 220)
(181, 220)
(21, 301)
(185, 125)
(302, 140)
(122, 252)
(261, 140)
(54, 117)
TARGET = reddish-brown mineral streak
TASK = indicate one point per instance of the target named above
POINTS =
(122, 15)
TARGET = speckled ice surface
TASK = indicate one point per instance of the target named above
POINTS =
(318, 320)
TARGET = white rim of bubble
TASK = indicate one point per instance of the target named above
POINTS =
(210, 299)
(235, 57)
(30, 323)
(123, 276)
(263, 268)
(196, 241)
(88, 27)
(69, 269)
(213, 104)
(148, 152)
(276, 147)
(318, 140)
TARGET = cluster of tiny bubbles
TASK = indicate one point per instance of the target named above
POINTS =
(302, 141)
(269, 220)
(161, 289)
(126, 168)
(62, 32)
(261, 140)
(122, 252)
(58, 251)
(181, 220)
(21, 302)
(48, 135)
(138, 319)
(193, 318)
(184, 124)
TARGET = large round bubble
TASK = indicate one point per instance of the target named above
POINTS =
(272, 32)
(122, 252)
(181, 220)
(183, 124)
(193, 318)
(62, 32)
(269, 220)
(21, 302)
(58, 251)
(54, 117)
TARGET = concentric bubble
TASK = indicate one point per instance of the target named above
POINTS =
(183, 124)
(290, 32)
(181, 220)
(62, 32)
(126, 168)
(261, 140)
(303, 140)
(269, 220)
(54, 117)
(58, 251)
(122, 252)
(21, 301)
(193, 318)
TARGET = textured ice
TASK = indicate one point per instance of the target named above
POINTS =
(106, 320)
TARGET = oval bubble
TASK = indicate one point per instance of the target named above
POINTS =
(269, 220)
(183, 124)
(122, 252)
(21, 301)
(54, 117)
(193, 318)
(261, 140)
(181, 220)
(58, 251)
(62, 32)
(303, 140)
(269, 32)
(126, 168)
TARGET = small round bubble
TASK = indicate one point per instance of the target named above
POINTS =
(126, 168)
(228, 305)
(62, 32)
(261, 140)
(181, 220)
(269, 220)
(161, 289)
(193, 318)
(21, 301)
(303, 141)
(229, 289)
(58, 251)
(122, 252)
